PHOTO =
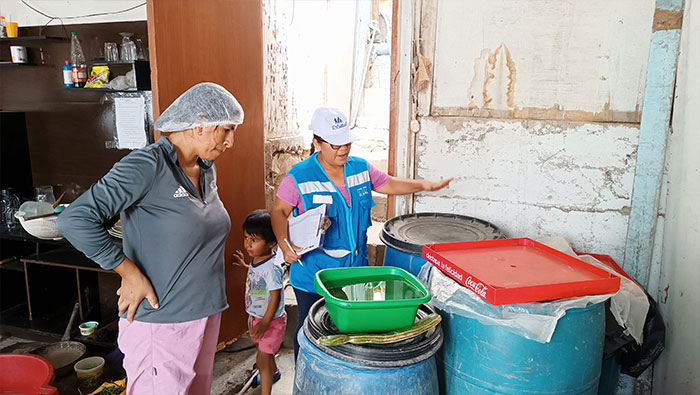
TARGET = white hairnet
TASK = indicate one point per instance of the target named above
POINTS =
(205, 104)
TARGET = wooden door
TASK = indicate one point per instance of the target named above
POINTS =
(217, 41)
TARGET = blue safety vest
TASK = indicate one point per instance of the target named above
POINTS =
(345, 242)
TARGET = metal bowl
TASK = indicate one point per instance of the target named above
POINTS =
(62, 355)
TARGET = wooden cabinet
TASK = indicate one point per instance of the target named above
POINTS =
(217, 41)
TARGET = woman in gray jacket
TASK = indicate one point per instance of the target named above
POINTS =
(174, 232)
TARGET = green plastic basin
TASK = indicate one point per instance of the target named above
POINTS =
(370, 298)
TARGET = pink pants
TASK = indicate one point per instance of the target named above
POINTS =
(169, 358)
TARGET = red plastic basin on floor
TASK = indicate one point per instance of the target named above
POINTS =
(26, 374)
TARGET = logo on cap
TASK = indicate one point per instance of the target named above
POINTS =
(339, 123)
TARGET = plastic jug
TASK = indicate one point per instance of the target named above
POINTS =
(77, 59)
(9, 204)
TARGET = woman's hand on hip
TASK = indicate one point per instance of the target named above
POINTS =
(135, 288)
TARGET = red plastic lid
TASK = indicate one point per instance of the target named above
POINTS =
(26, 374)
(518, 270)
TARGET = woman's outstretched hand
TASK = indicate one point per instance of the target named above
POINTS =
(436, 186)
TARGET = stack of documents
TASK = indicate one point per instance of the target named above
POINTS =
(306, 230)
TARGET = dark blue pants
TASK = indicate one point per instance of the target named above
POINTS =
(304, 302)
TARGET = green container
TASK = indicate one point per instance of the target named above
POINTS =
(370, 298)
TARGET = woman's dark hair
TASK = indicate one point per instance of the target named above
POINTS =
(258, 223)
(313, 148)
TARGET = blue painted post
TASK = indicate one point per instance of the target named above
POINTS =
(653, 133)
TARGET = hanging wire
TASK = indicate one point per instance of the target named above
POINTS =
(61, 18)
(82, 16)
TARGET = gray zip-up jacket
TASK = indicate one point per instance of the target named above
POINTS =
(174, 235)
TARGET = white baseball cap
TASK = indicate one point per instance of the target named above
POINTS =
(331, 125)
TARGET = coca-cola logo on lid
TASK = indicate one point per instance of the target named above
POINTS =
(478, 287)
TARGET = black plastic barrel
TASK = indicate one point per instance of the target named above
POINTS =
(405, 236)
(406, 367)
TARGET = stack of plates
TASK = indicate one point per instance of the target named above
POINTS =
(116, 230)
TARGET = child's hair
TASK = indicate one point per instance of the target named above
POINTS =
(258, 223)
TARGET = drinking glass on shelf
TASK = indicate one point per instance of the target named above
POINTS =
(128, 53)
(111, 52)
(141, 50)
(45, 194)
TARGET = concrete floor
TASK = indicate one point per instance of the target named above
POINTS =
(233, 368)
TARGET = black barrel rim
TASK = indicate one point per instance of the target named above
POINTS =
(404, 353)
(392, 239)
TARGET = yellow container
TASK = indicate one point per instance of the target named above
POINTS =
(12, 29)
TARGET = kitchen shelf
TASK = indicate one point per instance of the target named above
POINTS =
(32, 38)
(112, 62)
(103, 90)
(141, 69)
(16, 64)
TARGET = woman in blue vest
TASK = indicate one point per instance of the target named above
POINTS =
(344, 183)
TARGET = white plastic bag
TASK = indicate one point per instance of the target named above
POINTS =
(629, 305)
(536, 321)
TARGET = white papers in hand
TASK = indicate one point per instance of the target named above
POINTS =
(305, 230)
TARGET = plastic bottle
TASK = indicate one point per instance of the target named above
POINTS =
(82, 74)
(77, 60)
(3, 28)
(67, 75)
(9, 204)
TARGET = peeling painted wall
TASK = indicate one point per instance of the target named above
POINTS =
(283, 142)
(570, 60)
(533, 178)
(534, 108)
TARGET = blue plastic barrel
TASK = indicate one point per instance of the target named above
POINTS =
(407, 367)
(406, 261)
(488, 359)
(405, 236)
(609, 374)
